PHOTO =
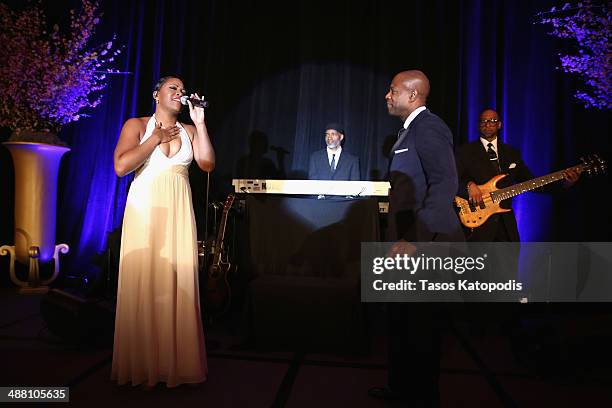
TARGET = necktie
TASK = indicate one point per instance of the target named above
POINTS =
(333, 163)
(493, 157)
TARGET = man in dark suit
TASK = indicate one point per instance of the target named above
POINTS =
(478, 162)
(423, 180)
(333, 163)
(481, 160)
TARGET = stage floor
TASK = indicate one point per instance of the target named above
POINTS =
(478, 368)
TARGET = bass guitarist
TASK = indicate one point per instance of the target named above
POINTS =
(481, 160)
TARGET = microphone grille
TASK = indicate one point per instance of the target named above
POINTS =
(184, 99)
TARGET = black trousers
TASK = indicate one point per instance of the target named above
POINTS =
(414, 352)
(414, 346)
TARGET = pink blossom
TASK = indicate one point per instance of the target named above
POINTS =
(588, 27)
(57, 67)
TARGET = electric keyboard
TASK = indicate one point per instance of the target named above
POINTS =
(312, 187)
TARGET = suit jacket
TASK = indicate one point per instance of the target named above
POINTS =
(423, 178)
(347, 167)
(473, 164)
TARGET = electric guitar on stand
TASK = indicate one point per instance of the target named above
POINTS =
(474, 215)
(217, 296)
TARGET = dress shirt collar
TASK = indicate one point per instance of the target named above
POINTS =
(413, 115)
(485, 143)
(330, 153)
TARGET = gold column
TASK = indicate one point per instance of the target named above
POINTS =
(36, 169)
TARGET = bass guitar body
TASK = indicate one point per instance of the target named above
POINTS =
(474, 215)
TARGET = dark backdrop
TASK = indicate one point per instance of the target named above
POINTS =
(281, 71)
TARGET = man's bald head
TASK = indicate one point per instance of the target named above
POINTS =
(408, 91)
(417, 80)
(489, 113)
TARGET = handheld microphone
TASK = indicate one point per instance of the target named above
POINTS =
(198, 103)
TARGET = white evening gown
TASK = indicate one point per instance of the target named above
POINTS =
(158, 330)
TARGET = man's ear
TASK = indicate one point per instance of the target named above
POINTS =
(341, 137)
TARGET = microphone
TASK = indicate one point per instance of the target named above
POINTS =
(197, 103)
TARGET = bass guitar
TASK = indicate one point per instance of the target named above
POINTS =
(474, 215)
(217, 296)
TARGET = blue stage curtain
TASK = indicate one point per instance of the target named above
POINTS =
(508, 63)
(93, 197)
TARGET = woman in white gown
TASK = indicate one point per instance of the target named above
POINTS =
(158, 330)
